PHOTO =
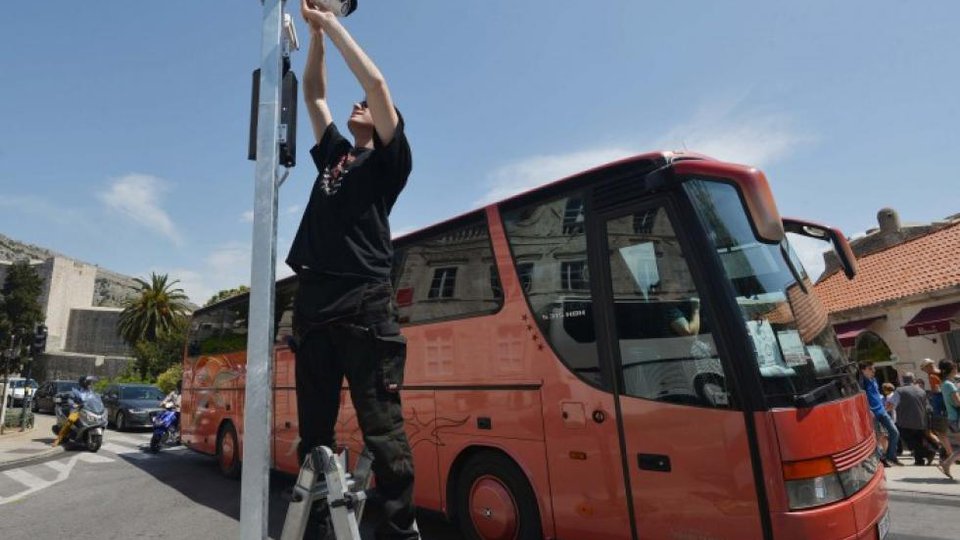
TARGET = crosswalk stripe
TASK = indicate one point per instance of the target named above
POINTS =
(133, 453)
(95, 458)
(27, 479)
(128, 440)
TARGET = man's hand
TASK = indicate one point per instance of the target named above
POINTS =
(316, 17)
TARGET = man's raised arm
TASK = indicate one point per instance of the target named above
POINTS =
(385, 118)
(315, 80)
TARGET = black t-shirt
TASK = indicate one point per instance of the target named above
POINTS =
(344, 231)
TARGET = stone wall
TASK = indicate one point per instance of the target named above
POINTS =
(94, 331)
(70, 366)
(69, 285)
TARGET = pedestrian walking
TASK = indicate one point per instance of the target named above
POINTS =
(883, 423)
(911, 419)
(938, 430)
(951, 399)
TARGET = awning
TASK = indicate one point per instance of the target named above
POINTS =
(932, 320)
(847, 332)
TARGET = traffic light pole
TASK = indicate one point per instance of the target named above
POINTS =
(256, 429)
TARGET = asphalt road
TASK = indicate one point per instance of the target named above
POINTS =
(125, 492)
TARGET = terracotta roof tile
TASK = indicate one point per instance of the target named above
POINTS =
(920, 265)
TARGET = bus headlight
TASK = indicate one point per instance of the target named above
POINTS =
(857, 477)
(811, 492)
(816, 482)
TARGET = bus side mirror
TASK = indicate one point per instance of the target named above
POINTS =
(848, 261)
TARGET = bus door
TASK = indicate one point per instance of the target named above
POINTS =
(684, 442)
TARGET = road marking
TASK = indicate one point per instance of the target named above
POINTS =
(30, 480)
(94, 458)
(126, 451)
(58, 466)
(128, 440)
(35, 483)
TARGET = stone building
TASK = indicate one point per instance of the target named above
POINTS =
(904, 304)
(81, 338)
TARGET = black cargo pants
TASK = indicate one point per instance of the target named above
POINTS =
(366, 347)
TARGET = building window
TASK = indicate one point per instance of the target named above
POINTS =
(573, 216)
(643, 221)
(573, 276)
(444, 280)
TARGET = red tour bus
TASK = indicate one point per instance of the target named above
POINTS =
(631, 352)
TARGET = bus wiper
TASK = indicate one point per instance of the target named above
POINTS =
(812, 397)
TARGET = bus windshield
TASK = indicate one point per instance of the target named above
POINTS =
(796, 351)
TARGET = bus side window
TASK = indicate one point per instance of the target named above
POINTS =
(447, 273)
(549, 247)
(667, 351)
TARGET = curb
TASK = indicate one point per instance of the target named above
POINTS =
(40, 457)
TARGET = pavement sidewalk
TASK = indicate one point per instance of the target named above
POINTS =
(19, 448)
(927, 480)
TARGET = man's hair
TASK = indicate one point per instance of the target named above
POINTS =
(888, 387)
(864, 365)
(947, 367)
(908, 377)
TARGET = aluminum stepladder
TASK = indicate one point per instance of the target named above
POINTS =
(323, 477)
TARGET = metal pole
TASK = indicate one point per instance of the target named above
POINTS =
(256, 436)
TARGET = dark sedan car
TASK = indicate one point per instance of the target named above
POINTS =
(130, 405)
(43, 398)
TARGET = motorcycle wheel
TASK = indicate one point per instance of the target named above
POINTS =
(155, 443)
(94, 442)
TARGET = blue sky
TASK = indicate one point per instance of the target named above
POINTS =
(125, 124)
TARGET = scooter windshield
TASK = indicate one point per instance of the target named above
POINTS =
(93, 404)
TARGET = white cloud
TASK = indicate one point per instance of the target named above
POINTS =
(226, 267)
(247, 216)
(534, 171)
(756, 137)
(137, 196)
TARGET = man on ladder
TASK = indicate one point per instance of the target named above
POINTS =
(345, 319)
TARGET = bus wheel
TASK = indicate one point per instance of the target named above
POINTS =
(495, 501)
(228, 452)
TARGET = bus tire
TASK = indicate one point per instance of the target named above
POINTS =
(494, 500)
(228, 451)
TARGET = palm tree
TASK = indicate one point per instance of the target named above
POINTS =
(157, 310)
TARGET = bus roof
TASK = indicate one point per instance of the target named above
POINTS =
(655, 159)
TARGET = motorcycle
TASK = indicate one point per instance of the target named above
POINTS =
(166, 428)
(82, 426)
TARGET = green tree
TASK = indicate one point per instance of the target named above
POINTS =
(20, 309)
(157, 356)
(168, 380)
(156, 310)
(226, 293)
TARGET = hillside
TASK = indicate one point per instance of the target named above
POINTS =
(110, 289)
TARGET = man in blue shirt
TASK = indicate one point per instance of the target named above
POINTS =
(869, 382)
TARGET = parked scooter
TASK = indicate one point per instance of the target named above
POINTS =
(166, 428)
(83, 425)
